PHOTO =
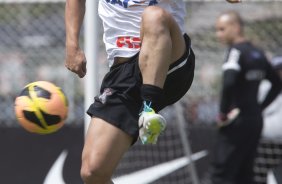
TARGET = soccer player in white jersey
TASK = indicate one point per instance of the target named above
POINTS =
(151, 66)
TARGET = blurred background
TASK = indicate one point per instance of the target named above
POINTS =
(32, 48)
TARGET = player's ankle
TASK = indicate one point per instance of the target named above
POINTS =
(152, 96)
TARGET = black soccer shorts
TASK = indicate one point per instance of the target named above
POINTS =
(119, 102)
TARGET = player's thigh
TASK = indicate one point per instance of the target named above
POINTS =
(156, 18)
(104, 146)
(178, 41)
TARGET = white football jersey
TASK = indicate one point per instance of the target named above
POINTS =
(121, 22)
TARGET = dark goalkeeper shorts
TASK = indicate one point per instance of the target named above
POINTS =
(119, 102)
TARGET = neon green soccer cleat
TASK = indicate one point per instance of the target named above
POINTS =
(151, 125)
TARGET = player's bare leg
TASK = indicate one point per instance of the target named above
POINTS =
(103, 149)
(162, 44)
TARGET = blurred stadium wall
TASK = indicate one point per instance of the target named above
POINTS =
(32, 48)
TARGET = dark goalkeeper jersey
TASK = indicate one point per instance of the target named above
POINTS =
(245, 67)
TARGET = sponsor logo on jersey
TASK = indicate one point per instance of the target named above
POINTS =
(128, 42)
(255, 75)
(131, 3)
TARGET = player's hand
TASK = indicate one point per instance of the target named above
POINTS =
(226, 119)
(76, 61)
(221, 119)
(234, 1)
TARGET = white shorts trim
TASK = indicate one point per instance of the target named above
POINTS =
(179, 65)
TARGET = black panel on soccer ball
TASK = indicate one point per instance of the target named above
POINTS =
(31, 116)
(40, 92)
(25, 92)
(50, 119)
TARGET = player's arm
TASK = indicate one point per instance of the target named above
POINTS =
(231, 69)
(276, 86)
(226, 114)
(229, 83)
(74, 15)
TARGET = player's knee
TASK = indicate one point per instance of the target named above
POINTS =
(155, 20)
(91, 173)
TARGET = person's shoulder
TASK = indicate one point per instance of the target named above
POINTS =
(243, 45)
(247, 47)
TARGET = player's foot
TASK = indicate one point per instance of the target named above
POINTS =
(151, 125)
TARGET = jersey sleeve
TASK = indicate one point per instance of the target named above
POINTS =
(231, 69)
(232, 62)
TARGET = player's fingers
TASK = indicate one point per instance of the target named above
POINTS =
(72, 68)
(69, 65)
(81, 74)
(82, 66)
(69, 68)
(82, 70)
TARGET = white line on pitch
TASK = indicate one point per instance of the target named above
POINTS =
(55, 174)
(151, 174)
